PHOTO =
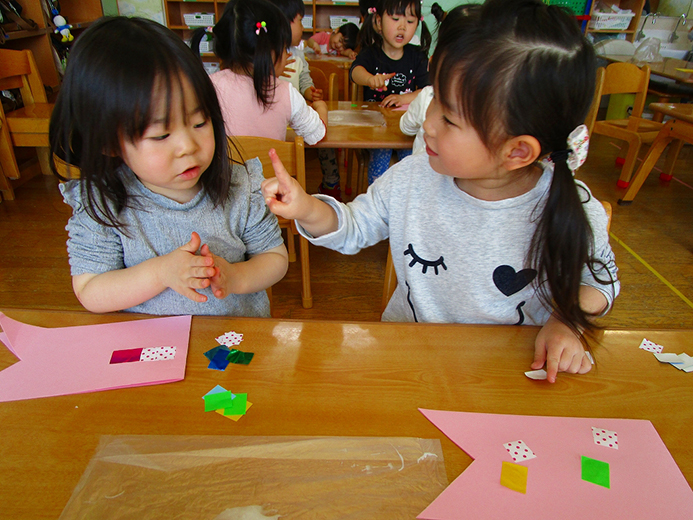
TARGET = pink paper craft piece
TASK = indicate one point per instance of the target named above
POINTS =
(557, 489)
(158, 353)
(401, 108)
(73, 360)
(519, 451)
(605, 438)
(230, 339)
(651, 346)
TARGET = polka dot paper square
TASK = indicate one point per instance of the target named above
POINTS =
(519, 451)
(230, 339)
(605, 438)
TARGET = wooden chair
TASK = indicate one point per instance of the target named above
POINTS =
(293, 158)
(329, 86)
(626, 78)
(27, 126)
(391, 277)
(329, 68)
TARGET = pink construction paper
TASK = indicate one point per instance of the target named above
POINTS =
(73, 360)
(401, 108)
(646, 483)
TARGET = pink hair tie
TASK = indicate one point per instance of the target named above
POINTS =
(421, 19)
(209, 29)
(372, 10)
(260, 25)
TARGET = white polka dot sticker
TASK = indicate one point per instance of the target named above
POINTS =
(605, 438)
(158, 353)
(519, 451)
(230, 339)
(651, 346)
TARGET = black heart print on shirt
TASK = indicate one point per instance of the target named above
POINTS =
(509, 281)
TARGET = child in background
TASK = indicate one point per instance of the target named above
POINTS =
(251, 40)
(341, 41)
(390, 69)
(449, 26)
(299, 76)
(298, 72)
(480, 230)
(161, 223)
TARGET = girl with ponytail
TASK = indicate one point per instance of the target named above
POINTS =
(251, 40)
(489, 225)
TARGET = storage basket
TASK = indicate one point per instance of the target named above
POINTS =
(307, 21)
(337, 21)
(577, 7)
(198, 19)
(617, 22)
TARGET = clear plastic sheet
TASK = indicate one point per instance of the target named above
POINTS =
(355, 118)
(247, 478)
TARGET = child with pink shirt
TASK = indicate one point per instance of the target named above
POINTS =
(341, 41)
(251, 40)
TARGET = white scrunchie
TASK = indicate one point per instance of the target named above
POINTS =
(578, 143)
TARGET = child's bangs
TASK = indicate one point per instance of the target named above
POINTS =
(400, 7)
(467, 84)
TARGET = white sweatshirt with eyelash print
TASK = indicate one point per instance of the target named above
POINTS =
(459, 259)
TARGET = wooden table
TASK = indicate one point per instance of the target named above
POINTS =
(679, 130)
(335, 379)
(364, 137)
(666, 68)
(388, 136)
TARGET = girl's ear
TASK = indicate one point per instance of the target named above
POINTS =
(520, 151)
(378, 24)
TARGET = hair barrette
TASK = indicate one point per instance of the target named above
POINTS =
(260, 25)
(372, 10)
(209, 29)
(421, 18)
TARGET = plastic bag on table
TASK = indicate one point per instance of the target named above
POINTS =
(143, 477)
(648, 51)
(355, 118)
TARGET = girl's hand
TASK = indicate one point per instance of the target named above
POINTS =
(313, 94)
(314, 46)
(185, 272)
(288, 71)
(218, 281)
(349, 53)
(393, 100)
(283, 194)
(561, 349)
(377, 82)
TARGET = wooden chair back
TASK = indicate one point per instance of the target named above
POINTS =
(391, 276)
(596, 100)
(329, 86)
(626, 78)
(342, 77)
(293, 157)
(26, 126)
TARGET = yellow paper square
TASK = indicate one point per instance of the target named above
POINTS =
(514, 476)
(248, 404)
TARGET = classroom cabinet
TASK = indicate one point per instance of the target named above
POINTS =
(178, 14)
(79, 13)
(599, 24)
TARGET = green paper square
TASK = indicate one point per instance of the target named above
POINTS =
(218, 400)
(239, 358)
(237, 406)
(596, 472)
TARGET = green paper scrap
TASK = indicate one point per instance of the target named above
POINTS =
(238, 357)
(218, 400)
(596, 472)
(237, 406)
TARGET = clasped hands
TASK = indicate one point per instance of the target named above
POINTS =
(186, 272)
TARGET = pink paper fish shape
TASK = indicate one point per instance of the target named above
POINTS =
(73, 360)
(645, 482)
